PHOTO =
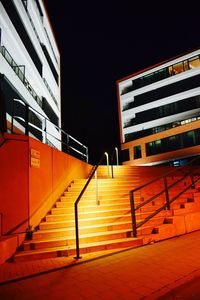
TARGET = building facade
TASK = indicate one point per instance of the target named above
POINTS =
(29, 71)
(159, 112)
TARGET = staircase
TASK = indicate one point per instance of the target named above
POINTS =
(104, 215)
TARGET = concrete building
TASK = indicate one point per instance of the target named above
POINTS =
(159, 112)
(29, 71)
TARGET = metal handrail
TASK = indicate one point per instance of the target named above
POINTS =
(164, 190)
(77, 202)
(27, 124)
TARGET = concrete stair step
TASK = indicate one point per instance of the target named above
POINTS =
(107, 181)
(93, 196)
(86, 219)
(186, 208)
(164, 231)
(105, 184)
(98, 212)
(93, 200)
(84, 229)
(127, 220)
(100, 193)
(71, 250)
(70, 240)
(95, 228)
(93, 207)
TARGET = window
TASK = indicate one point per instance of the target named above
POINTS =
(125, 155)
(180, 67)
(177, 68)
(172, 143)
(25, 3)
(51, 65)
(21, 30)
(194, 62)
(137, 152)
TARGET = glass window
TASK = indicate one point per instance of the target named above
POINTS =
(188, 139)
(125, 155)
(194, 62)
(137, 152)
(149, 149)
(178, 68)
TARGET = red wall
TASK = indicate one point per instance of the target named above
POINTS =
(28, 192)
(14, 184)
(49, 181)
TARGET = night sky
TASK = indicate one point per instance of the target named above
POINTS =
(101, 43)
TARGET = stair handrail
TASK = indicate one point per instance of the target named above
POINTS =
(94, 169)
(165, 190)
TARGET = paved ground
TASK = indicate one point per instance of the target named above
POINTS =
(188, 291)
(159, 271)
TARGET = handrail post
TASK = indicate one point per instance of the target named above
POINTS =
(112, 171)
(107, 162)
(192, 179)
(26, 119)
(96, 187)
(117, 156)
(166, 193)
(12, 117)
(87, 154)
(77, 233)
(45, 130)
(133, 214)
(76, 206)
(68, 151)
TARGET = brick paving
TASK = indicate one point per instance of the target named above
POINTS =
(146, 272)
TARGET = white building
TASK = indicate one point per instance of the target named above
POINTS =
(30, 69)
(159, 111)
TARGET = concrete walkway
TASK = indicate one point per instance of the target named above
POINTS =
(147, 272)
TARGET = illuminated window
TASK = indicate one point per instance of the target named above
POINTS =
(194, 62)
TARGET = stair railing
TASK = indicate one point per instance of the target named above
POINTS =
(93, 171)
(192, 174)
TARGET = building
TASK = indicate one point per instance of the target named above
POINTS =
(29, 71)
(159, 112)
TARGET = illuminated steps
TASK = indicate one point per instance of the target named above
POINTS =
(104, 217)
(95, 228)
(84, 238)
(71, 251)
(94, 219)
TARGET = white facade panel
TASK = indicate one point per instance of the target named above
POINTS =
(15, 54)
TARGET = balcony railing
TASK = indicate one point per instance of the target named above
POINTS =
(21, 74)
(43, 129)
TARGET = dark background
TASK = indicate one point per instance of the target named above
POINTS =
(100, 43)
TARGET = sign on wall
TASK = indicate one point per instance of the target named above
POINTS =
(35, 158)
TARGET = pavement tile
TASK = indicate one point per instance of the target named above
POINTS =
(138, 273)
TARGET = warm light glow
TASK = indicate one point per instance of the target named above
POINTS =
(107, 161)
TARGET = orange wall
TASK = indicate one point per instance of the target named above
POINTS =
(30, 191)
(49, 181)
(190, 151)
(14, 184)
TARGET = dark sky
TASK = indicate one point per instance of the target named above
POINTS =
(100, 43)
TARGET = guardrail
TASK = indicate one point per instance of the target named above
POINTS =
(165, 189)
(47, 132)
